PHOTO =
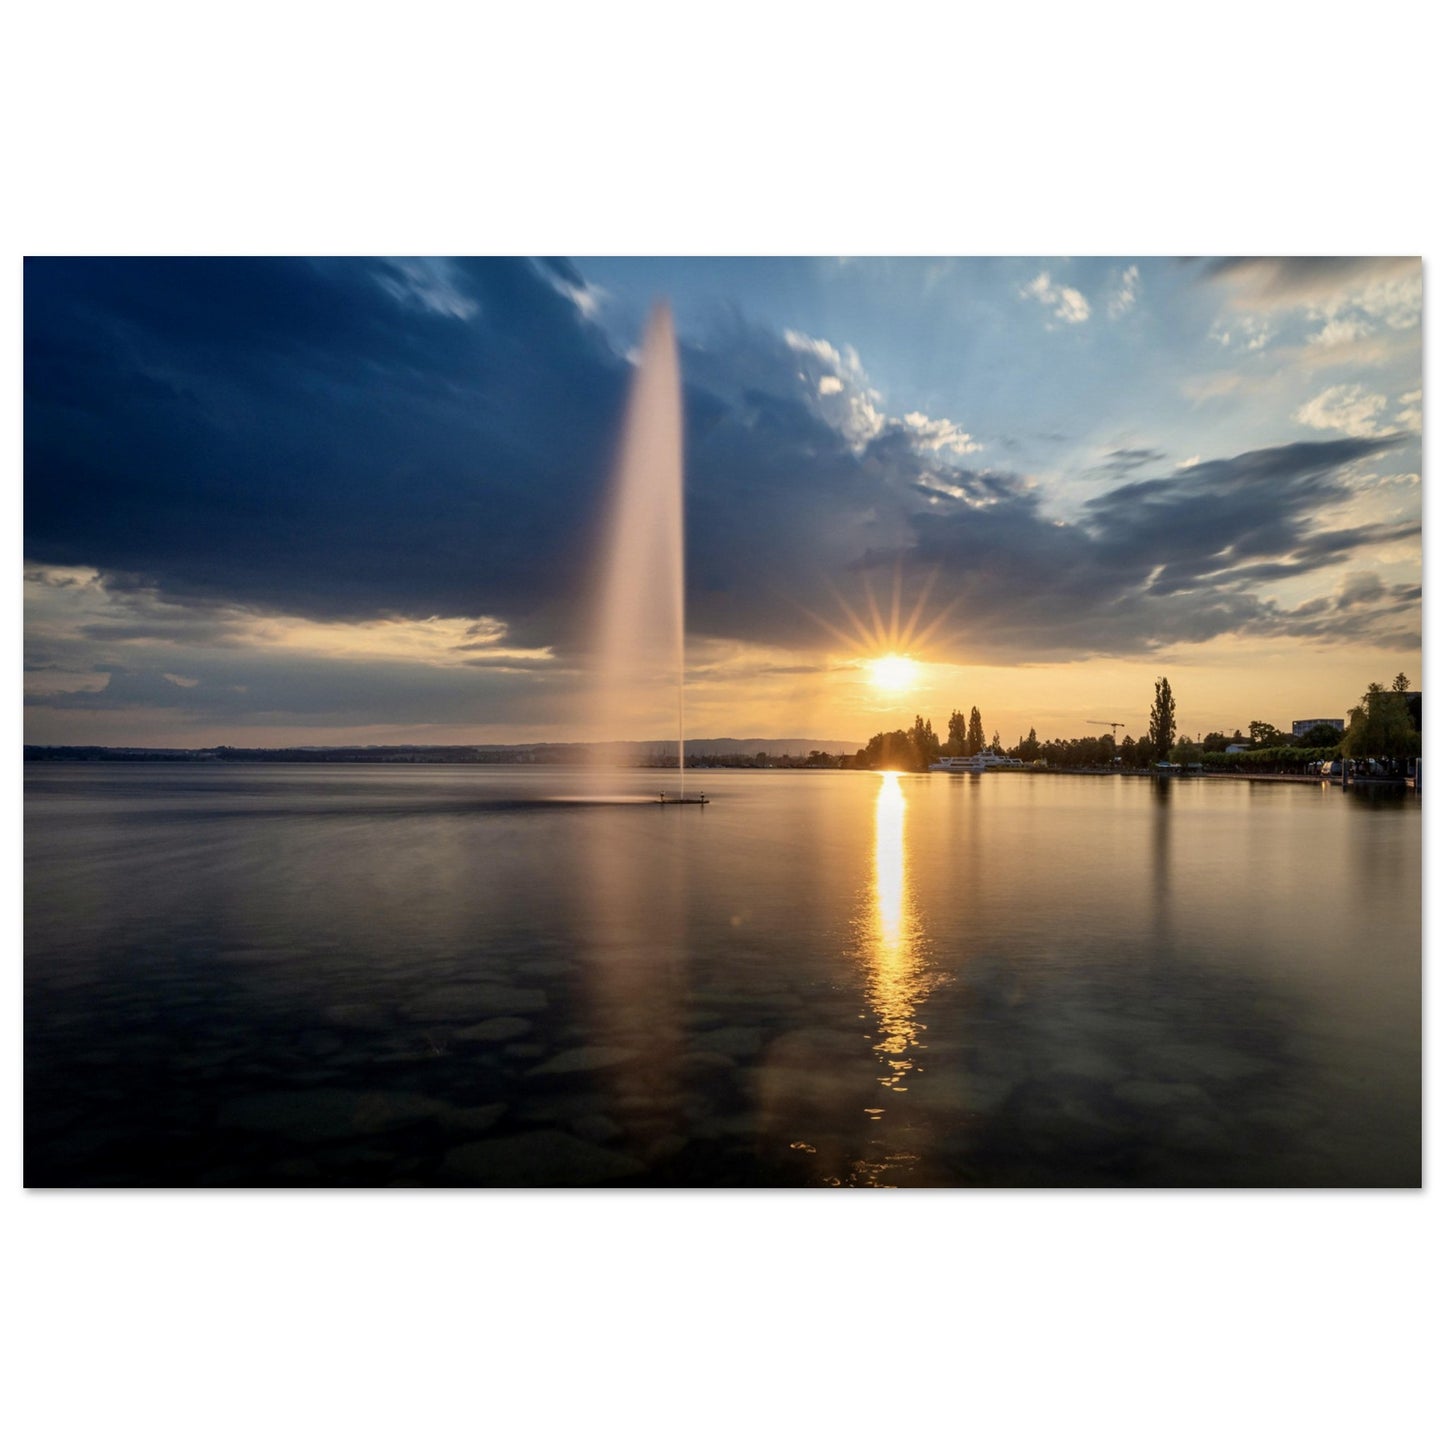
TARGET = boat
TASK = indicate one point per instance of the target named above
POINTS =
(981, 762)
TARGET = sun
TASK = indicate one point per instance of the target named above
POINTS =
(892, 673)
(886, 640)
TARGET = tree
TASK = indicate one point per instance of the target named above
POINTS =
(996, 744)
(1214, 742)
(975, 734)
(957, 734)
(1381, 727)
(1264, 735)
(892, 750)
(1028, 748)
(925, 740)
(1186, 751)
(1161, 720)
(1321, 735)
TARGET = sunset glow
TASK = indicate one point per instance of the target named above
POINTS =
(892, 673)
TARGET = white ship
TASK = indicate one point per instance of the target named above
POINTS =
(981, 762)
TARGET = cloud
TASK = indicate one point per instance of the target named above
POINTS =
(1358, 587)
(1345, 311)
(1208, 388)
(1069, 305)
(847, 400)
(1409, 416)
(431, 284)
(317, 438)
(1348, 408)
(1126, 293)
(1243, 333)
(1124, 460)
(1323, 282)
(1153, 563)
(1340, 332)
(938, 434)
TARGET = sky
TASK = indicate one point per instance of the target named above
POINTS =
(303, 501)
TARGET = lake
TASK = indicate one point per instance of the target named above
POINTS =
(302, 975)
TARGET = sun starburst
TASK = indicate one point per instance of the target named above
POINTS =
(892, 648)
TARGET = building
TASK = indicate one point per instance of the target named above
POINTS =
(1301, 727)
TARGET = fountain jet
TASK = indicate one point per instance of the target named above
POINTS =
(641, 627)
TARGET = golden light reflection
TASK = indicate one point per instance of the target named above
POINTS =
(892, 942)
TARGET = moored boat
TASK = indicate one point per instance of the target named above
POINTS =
(983, 761)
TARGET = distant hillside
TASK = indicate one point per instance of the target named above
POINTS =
(774, 747)
(421, 753)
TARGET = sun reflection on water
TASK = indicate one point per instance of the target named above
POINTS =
(892, 942)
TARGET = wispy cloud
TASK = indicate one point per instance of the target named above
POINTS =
(1379, 284)
(1346, 408)
(1067, 303)
(429, 283)
(1123, 460)
(1409, 415)
(1126, 292)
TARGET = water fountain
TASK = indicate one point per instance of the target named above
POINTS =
(641, 626)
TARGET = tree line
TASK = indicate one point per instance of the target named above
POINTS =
(1382, 727)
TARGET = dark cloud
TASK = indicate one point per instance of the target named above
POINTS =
(1298, 280)
(347, 440)
(1150, 563)
(1123, 460)
(300, 436)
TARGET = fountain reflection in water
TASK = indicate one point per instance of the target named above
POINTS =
(640, 633)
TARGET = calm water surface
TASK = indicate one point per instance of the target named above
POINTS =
(472, 976)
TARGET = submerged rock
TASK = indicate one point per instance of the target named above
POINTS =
(547, 1158)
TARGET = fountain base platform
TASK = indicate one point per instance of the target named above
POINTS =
(698, 800)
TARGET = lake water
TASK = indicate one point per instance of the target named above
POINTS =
(297, 975)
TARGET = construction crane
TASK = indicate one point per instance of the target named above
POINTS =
(1099, 722)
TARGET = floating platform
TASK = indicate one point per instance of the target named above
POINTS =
(697, 799)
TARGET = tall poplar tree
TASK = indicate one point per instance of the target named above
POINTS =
(957, 734)
(1161, 720)
(975, 734)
